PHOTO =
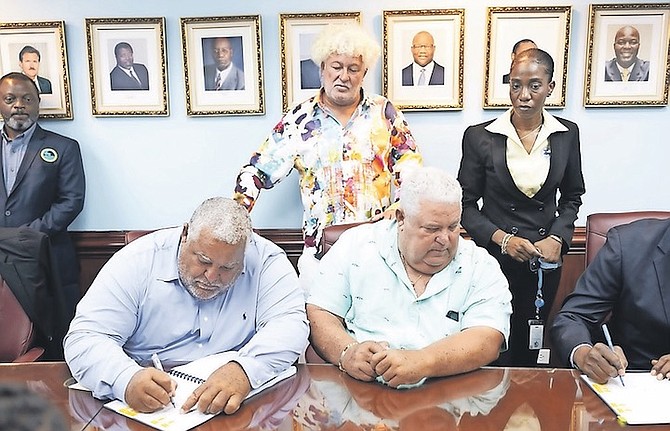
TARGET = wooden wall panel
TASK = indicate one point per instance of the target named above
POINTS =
(95, 248)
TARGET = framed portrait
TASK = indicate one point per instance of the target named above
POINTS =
(513, 29)
(127, 66)
(423, 58)
(37, 49)
(301, 77)
(223, 65)
(628, 55)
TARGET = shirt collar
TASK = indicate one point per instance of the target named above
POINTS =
(621, 68)
(503, 125)
(26, 135)
(428, 67)
(363, 104)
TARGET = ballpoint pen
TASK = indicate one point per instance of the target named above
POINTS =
(159, 366)
(608, 338)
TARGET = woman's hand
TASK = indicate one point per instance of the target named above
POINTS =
(521, 249)
(550, 249)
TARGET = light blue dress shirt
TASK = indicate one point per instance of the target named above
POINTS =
(137, 306)
(13, 151)
(363, 280)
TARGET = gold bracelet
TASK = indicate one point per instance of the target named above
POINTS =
(504, 242)
(344, 351)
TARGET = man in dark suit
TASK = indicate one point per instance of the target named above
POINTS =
(423, 71)
(29, 62)
(629, 280)
(518, 47)
(626, 65)
(43, 182)
(128, 75)
(223, 75)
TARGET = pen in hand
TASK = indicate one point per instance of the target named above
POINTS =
(159, 366)
(608, 338)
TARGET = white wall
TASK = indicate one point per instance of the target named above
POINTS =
(149, 172)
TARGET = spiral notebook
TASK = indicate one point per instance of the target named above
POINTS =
(189, 376)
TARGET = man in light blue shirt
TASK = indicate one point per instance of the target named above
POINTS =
(407, 299)
(184, 293)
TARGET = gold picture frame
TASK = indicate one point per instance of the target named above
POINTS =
(232, 43)
(604, 84)
(443, 88)
(300, 76)
(113, 43)
(45, 41)
(547, 26)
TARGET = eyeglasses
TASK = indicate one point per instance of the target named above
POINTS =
(422, 46)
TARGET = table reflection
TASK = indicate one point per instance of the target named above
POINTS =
(335, 401)
(45, 379)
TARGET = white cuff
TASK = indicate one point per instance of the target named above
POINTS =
(572, 354)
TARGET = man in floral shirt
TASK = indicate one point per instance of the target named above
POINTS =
(347, 145)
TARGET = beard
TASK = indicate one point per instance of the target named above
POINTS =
(201, 289)
(20, 125)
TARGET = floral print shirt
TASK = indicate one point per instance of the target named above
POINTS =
(345, 171)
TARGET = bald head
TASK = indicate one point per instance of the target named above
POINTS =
(626, 45)
(423, 48)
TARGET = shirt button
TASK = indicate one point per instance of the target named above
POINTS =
(514, 230)
(8, 213)
(200, 345)
(541, 209)
(205, 319)
(542, 231)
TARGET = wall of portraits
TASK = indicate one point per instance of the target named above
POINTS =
(152, 154)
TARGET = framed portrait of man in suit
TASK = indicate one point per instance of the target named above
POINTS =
(37, 49)
(127, 66)
(509, 30)
(422, 58)
(223, 65)
(301, 76)
(628, 55)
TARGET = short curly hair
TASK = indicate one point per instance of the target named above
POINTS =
(348, 39)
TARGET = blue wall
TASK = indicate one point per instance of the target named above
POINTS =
(149, 172)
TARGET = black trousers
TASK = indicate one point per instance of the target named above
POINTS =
(523, 285)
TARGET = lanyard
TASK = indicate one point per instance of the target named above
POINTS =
(539, 297)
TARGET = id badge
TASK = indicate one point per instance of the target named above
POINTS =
(536, 333)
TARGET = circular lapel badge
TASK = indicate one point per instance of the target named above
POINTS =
(49, 155)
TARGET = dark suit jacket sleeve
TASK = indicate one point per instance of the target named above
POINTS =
(472, 176)
(69, 199)
(571, 186)
(594, 297)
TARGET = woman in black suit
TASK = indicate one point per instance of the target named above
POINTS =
(525, 166)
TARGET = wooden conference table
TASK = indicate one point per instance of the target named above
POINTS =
(321, 398)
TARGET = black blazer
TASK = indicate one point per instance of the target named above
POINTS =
(26, 265)
(630, 277)
(484, 174)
